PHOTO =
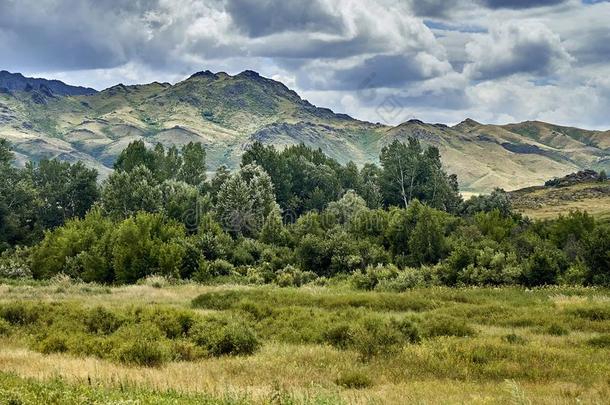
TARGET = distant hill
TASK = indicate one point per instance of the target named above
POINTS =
(228, 113)
(577, 191)
(17, 82)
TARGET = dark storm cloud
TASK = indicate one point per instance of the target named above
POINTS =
(386, 71)
(519, 4)
(434, 8)
(514, 48)
(259, 18)
(69, 34)
(590, 46)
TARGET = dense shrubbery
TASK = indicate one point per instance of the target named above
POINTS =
(144, 337)
(290, 218)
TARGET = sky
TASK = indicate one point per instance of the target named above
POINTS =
(388, 61)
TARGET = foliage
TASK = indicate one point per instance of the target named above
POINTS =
(409, 172)
(245, 200)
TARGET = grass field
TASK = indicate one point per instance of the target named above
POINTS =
(314, 345)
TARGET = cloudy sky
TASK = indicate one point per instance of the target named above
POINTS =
(381, 60)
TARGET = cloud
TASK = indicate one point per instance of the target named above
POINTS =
(259, 18)
(69, 34)
(519, 4)
(435, 59)
(388, 71)
(516, 47)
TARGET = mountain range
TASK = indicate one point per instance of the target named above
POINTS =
(47, 118)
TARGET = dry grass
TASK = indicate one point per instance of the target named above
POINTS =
(598, 207)
(483, 369)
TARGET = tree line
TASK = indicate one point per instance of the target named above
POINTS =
(287, 217)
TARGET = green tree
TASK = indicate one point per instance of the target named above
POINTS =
(147, 244)
(80, 248)
(497, 200)
(125, 193)
(19, 202)
(137, 154)
(409, 172)
(400, 165)
(193, 170)
(597, 256)
(245, 200)
(65, 190)
(347, 208)
(427, 243)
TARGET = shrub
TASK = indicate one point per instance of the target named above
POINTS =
(155, 281)
(291, 276)
(21, 313)
(185, 350)
(409, 278)
(593, 313)
(514, 339)
(141, 344)
(354, 379)
(218, 300)
(5, 327)
(224, 337)
(443, 325)
(373, 336)
(55, 342)
(369, 278)
(220, 267)
(556, 329)
(339, 336)
(602, 341)
(101, 321)
(408, 329)
(15, 264)
(172, 323)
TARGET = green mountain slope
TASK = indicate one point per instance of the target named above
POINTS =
(227, 113)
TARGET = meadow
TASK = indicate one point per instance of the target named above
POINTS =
(66, 342)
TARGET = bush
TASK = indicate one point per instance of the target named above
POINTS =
(593, 313)
(224, 337)
(514, 339)
(369, 278)
(339, 336)
(15, 264)
(217, 300)
(185, 350)
(102, 321)
(556, 329)
(601, 342)
(155, 281)
(220, 267)
(291, 276)
(55, 342)
(172, 323)
(443, 325)
(409, 278)
(5, 327)
(141, 344)
(21, 313)
(354, 379)
(408, 330)
(373, 336)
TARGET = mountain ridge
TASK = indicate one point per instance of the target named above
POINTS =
(228, 113)
(18, 82)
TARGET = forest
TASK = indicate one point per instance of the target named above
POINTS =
(288, 217)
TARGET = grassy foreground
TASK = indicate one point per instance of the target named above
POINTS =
(312, 345)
